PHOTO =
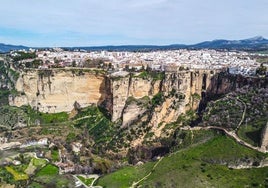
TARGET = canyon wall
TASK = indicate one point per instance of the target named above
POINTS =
(57, 90)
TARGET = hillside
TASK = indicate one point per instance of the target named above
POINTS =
(203, 165)
(4, 48)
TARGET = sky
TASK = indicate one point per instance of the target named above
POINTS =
(59, 23)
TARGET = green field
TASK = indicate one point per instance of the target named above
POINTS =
(49, 176)
(17, 175)
(38, 162)
(86, 181)
(199, 166)
(48, 170)
(34, 165)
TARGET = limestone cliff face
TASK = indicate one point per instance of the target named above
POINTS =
(127, 86)
(57, 90)
(183, 91)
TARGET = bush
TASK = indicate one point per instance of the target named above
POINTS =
(158, 99)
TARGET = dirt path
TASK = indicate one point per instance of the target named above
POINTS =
(135, 184)
(229, 133)
(243, 115)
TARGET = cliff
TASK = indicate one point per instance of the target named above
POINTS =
(127, 96)
(57, 90)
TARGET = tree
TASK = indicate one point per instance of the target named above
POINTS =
(73, 63)
(261, 70)
(127, 67)
(77, 106)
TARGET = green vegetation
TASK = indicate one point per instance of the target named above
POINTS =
(10, 116)
(144, 101)
(33, 172)
(185, 138)
(38, 162)
(6, 176)
(227, 112)
(124, 178)
(195, 167)
(158, 99)
(55, 155)
(71, 137)
(7, 79)
(4, 96)
(187, 118)
(57, 181)
(97, 126)
(34, 64)
(261, 70)
(196, 96)
(17, 175)
(151, 74)
(45, 118)
(35, 165)
(48, 170)
(251, 132)
(53, 118)
(35, 185)
(23, 55)
(87, 181)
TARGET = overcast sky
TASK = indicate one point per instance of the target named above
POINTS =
(120, 22)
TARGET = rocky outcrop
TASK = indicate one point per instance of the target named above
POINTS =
(128, 85)
(57, 90)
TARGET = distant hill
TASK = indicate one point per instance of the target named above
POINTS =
(251, 44)
(255, 43)
(7, 47)
(131, 47)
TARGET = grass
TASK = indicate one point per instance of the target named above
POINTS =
(99, 126)
(6, 176)
(57, 181)
(49, 176)
(250, 134)
(35, 185)
(198, 166)
(86, 181)
(4, 96)
(34, 165)
(151, 74)
(17, 175)
(39, 162)
(55, 155)
(44, 118)
(54, 118)
(48, 170)
(126, 176)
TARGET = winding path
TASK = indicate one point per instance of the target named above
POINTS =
(243, 115)
(229, 133)
(135, 184)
